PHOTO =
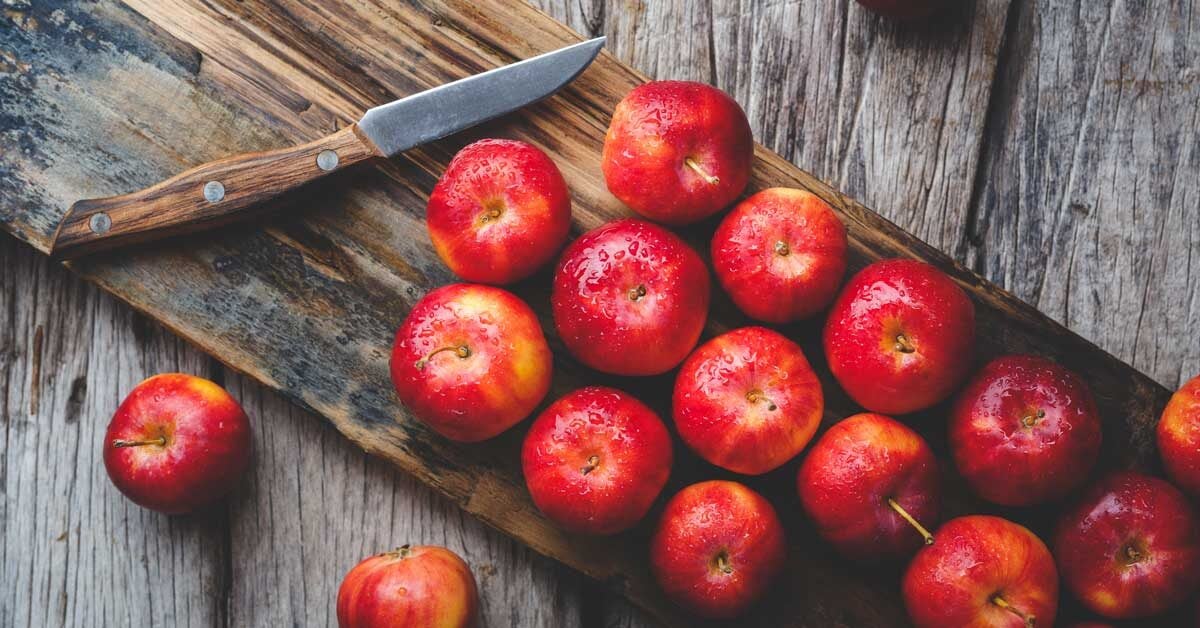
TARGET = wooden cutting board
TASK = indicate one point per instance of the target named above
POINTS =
(307, 301)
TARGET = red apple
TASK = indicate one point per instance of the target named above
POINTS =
(630, 298)
(177, 443)
(868, 485)
(717, 548)
(595, 460)
(677, 152)
(900, 336)
(1130, 547)
(982, 571)
(499, 212)
(1179, 437)
(415, 586)
(1024, 431)
(780, 255)
(470, 361)
(747, 400)
(904, 9)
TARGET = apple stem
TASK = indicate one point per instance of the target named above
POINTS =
(462, 351)
(911, 521)
(1030, 419)
(691, 163)
(1132, 555)
(593, 461)
(903, 345)
(160, 441)
(401, 552)
(782, 249)
(756, 395)
(490, 215)
(637, 293)
(723, 563)
(1003, 603)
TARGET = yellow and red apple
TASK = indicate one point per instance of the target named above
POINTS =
(900, 336)
(500, 211)
(414, 586)
(470, 361)
(747, 400)
(717, 548)
(677, 151)
(630, 298)
(870, 486)
(595, 460)
(780, 255)
(1025, 431)
(177, 443)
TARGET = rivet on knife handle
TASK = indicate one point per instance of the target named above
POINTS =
(205, 196)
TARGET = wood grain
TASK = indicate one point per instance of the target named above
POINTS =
(185, 203)
(315, 264)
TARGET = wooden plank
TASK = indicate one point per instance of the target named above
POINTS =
(73, 550)
(1090, 201)
(343, 275)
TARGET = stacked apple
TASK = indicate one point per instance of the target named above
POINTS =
(630, 298)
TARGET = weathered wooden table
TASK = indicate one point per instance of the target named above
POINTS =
(1050, 145)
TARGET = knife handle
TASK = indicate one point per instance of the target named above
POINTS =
(206, 196)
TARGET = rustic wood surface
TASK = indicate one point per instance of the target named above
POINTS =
(1051, 147)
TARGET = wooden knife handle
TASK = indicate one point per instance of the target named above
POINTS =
(206, 196)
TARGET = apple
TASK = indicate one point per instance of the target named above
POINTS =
(596, 460)
(904, 9)
(500, 211)
(1130, 547)
(1179, 437)
(415, 586)
(1024, 431)
(677, 152)
(177, 443)
(870, 485)
(470, 361)
(900, 336)
(747, 400)
(780, 255)
(982, 571)
(717, 548)
(630, 298)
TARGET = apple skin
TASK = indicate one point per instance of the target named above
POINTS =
(412, 586)
(1025, 431)
(955, 581)
(1179, 437)
(656, 129)
(177, 443)
(904, 9)
(850, 473)
(900, 336)
(500, 211)
(1130, 547)
(630, 298)
(781, 255)
(717, 548)
(595, 460)
(475, 394)
(747, 400)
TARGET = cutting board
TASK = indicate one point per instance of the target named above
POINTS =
(104, 100)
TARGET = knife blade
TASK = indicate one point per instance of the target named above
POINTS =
(226, 190)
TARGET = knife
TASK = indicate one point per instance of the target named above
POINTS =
(222, 191)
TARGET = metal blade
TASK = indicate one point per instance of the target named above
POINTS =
(438, 112)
